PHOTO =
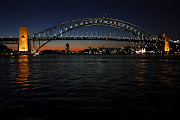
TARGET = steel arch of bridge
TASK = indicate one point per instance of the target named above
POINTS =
(58, 30)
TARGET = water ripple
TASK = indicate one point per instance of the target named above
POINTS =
(114, 83)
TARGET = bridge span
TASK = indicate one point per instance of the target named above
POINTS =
(84, 29)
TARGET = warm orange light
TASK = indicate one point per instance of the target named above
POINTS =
(23, 39)
(23, 72)
(166, 44)
(72, 48)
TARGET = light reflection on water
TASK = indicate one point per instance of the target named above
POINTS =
(115, 83)
(142, 72)
(23, 71)
(165, 72)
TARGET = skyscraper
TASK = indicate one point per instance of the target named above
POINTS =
(67, 48)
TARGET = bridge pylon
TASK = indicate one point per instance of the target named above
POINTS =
(166, 42)
(24, 44)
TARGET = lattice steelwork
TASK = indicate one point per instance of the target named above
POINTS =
(94, 28)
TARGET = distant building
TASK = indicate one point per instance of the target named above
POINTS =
(141, 50)
(67, 48)
(86, 51)
(175, 46)
(89, 48)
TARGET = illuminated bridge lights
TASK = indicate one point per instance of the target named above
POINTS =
(100, 28)
(92, 29)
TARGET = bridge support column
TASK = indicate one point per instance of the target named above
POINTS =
(166, 42)
(24, 44)
(33, 45)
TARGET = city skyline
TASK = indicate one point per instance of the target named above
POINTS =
(74, 45)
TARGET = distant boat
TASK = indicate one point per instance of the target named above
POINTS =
(38, 53)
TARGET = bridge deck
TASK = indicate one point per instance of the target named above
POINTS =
(16, 40)
(9, 40)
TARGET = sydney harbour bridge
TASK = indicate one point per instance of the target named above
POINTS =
(83, 29)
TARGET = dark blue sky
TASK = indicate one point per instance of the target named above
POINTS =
(155, 16)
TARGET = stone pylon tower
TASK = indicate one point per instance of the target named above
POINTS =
(24, 44)
(166, 42)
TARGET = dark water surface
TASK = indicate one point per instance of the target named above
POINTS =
(40, 86)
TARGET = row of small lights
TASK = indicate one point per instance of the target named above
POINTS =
(88, 37)
(175, 41)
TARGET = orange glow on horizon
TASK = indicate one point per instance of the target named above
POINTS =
(53, 48)
(13, 47)
(71, 48)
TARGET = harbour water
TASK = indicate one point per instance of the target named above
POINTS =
(41, 86)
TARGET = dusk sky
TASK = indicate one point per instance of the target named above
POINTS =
(155, 16)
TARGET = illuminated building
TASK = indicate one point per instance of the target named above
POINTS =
(24, 44)
(166, 42)
(141, 51)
